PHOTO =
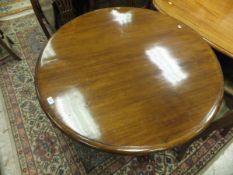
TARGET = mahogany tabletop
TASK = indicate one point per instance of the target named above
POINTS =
(213, 19)
(129, 80)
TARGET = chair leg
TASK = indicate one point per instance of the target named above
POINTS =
(9, 50)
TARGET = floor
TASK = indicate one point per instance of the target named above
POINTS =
(9, 164)
(222, 164)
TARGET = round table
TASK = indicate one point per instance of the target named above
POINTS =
(213, 19)
(129, 80)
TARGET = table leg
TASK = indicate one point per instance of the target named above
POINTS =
(9, 50)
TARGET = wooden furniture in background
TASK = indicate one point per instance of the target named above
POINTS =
(160, 91)
(119, 3)
(45, 25)
(60, 12)
(213, 20)
(64, 11)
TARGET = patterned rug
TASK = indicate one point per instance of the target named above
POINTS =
(10, 7)
(43, 149)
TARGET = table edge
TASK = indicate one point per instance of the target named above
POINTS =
(214, 45)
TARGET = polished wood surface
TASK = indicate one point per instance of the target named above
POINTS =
(213, 19)
(129, 80)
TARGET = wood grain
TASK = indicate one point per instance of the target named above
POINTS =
(129, 80)
(213, 20)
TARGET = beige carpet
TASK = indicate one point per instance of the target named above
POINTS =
(10, 7)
